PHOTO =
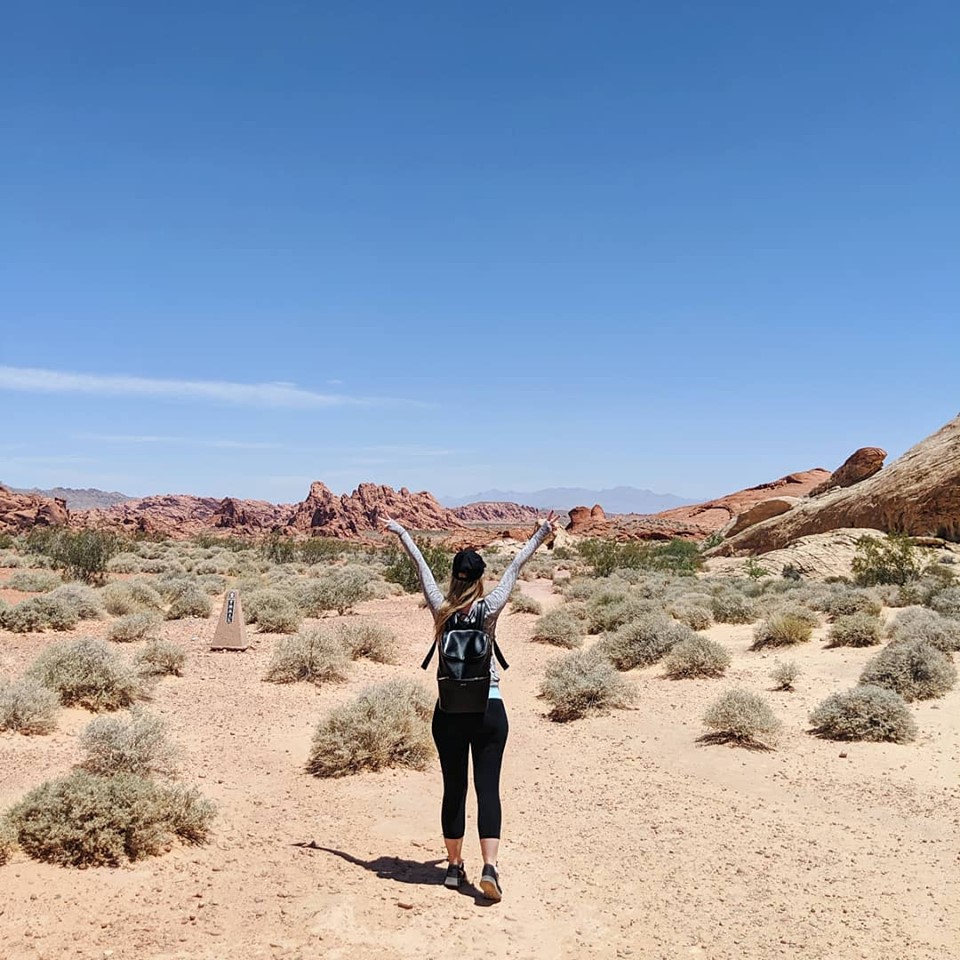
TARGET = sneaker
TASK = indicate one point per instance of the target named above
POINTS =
(456, 876)
(490, 882)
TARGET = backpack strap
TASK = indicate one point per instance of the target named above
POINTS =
(427, 658)
(500, 657)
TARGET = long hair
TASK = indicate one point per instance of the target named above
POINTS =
(460, 596)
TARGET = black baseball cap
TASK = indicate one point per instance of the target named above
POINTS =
(468, 565)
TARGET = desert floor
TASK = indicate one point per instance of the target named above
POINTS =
(623, 837)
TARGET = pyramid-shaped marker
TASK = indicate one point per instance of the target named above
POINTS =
(231, 630)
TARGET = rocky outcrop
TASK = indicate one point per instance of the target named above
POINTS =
(491, 511)
(21, 511)
(764, 510)
(587, 520)
(170, 515)
(918, 494)
(860, 465)
(250, 516)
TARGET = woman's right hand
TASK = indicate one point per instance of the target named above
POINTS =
(552, 520)
(388, 524)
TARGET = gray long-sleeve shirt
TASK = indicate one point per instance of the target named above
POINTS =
(495, 601)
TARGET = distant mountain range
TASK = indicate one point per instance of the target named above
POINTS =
(614, 500)
(89, 499)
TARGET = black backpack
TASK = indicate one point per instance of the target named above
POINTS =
(463, 667)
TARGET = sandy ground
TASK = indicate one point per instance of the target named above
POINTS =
(622, 838)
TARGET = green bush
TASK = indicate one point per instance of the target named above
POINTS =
(160, 658)
(311, 656)
(581, 683)
(891, 560)
(697, 656)
(741, 716)
(8, 840)
(339, 590)
(27, 707)
(400, 568)
(521, 603)
(855, 630)
(864, 713)
(560, 628)
(918, 623)
(133, 626)
(731, 606)
(915, 669)
(606, 556)
(644, 641)
(82, 554)
(781, 629)
(34, 581)
(84, 820)
(387, 725)
(37, 614)
(190, 603)
(368, 641)
(324, 549)
(130, 596)
(278, 548)
(87, 673)
(784, 675)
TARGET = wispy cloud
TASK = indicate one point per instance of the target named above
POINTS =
(205, 442)
(285, 395)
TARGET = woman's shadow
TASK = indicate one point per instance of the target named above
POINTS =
(403, 871)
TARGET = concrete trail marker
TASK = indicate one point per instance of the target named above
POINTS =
(231, 630)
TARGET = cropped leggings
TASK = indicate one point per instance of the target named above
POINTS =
(485, 735)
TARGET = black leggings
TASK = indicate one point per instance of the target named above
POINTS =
(455, 735)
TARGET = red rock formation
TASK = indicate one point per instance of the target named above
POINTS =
(491, 511)
(21, 511)
(860, 465)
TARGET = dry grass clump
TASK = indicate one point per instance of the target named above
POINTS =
(387, 725)
(133, 626)
(693, 611)
(137, 744)
(742, 717)
(784, 675)
(27, 707)
(87, 673)
(192, 602)
(367, 641)
(36, 614)
(946, 602)
(915, 669)
(919, 623)
(855, 630)
(34, 581)
(697, 656)
(340, 590)
(130, 596)
(584, 682)
(560, 628)
(610, 610)
(864, 713)
(84, 600)
(160, 658)
(844, 601)
(781, 629)
(273, 611)
(310, 656)
(125, 563)
(85, 820)
(731, 606)
(644, 641)
(521, 603)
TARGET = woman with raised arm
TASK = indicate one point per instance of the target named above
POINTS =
(482, 734)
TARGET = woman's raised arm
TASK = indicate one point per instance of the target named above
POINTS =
(497, 598)
(431, 592)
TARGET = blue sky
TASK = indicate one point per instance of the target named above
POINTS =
(687, 246)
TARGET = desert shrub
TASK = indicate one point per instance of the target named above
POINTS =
(855, 630)
(580, 588)
(891, 560)
(521, 603)
(84, 600)
(731, 606)
(125, 563)
(312, 656)
(172, 587)
(136, 744)
(82, 554)
(34, 581)
(85, 820)
(400, 568)
(919, 623)
(367, 641)
(36, 614)
(190, 603)
(946, 602)
(8, 840)
(864, 713)
(133, 626)
(606, 615)
(843, 602)
(87, 673)
(278, 549)
(605, 556)
(273, 611)
(916, 670)
(783, 675)
(160, 658)
(212, 584)
(742, 716)
(28, 707)
(345, 588)
(323, 549)
(387, 725)
(560, 628)
(695, 613)
(781, 630)
(643, 641)
(697, 656)
(130, 596)
(583, 682)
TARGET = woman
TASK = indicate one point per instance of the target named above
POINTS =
(483, 734)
